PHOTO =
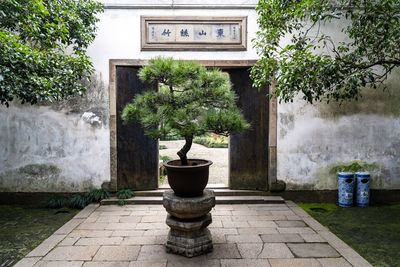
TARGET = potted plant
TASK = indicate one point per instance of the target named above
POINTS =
(190, 100)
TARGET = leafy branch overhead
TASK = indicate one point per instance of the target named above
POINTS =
(42, 48)
(326, 50)
(190, 101)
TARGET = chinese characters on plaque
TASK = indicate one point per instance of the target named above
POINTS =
(182, 33)
(191, 34)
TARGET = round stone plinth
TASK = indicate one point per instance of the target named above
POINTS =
(188, 208)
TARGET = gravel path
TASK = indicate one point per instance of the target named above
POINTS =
(219, 157)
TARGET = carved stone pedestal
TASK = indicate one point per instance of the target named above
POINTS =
(188, 219)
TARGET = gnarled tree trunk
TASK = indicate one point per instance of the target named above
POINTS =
(185, 149)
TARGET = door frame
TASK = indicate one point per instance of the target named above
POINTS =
(223, 64)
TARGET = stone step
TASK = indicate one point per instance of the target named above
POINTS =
(219, 200)
(218, 192)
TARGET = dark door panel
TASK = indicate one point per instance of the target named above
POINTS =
(137, 154)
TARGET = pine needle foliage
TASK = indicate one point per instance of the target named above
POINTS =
(190, 101)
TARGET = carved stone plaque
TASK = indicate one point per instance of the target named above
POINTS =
(193, 33)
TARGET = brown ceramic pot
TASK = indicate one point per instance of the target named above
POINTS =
(189, 180)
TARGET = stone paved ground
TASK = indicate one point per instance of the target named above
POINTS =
(276, 235)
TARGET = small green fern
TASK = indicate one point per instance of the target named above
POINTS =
(125, 194)
(96, 195)
(56, 202)
(78, 201)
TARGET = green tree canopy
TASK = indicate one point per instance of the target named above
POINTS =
(318, 61)
(42, 48)
(191, 100)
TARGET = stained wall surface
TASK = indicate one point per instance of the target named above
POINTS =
(65, 146)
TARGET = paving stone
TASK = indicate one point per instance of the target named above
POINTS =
(27, 262)
(250, 250)
(83, 214)
(294, 263)
(46, 246)
(263, 213)
(235, 224)
(282, 238)
(59, 264)
(90, 241)
(221, 212)
(225, 231)
(116, 213)
(218, 238)
(106, 264)
(313, 238)
(334, 262)
(193, 262)
(293, 218)
(92, 226)
(245, 262)
(152, 219)
(139, 240)
(313, 250)
(215, 224)
(121, 226)
(224, 251)
(249, 218)
(117, 253)
(72, 253)
(156, 232)
(257, 231)
(148, 226)
(68, 241)
(138, 213)
(148, 263)
(244, 212)
(152, 252)
(109, 219)
(222, 218)
(299, 211)
(314, 224)
(275, 251)
(243, 239)
(69, 226)
(131, 219)
(295, 230)
(359, 262)
(333, 240)
(282, 213)
(274, 217)
(90, 233)
(270, 224)
(290, 224)
(223, 207)
(124, 233)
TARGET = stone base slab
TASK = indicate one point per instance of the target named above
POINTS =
(188, 245)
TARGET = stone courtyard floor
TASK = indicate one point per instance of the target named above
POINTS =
(277, 235)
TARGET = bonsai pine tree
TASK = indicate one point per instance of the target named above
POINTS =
(191, 100)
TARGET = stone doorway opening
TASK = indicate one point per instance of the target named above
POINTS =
(135, 157)
(219, 170)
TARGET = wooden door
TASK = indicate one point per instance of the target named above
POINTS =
(248, 152)
(137, 154)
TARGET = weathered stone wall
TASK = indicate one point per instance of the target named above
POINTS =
(313, 139)
(65, 146)
(62, 147)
